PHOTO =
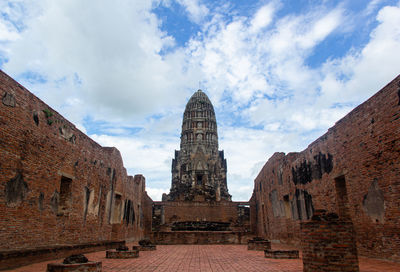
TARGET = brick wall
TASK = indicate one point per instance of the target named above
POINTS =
(147, 204)
(181, 211)
(352, 170)
(328, 244)
(57, 186)
(201, 237)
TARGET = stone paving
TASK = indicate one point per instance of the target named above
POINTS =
(201, 258)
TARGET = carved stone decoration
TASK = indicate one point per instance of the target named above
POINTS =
(9, 100)
(199, 169)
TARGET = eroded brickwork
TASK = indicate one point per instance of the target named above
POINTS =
(57, 186)
(328, 244)
(224, 215)
(352, 170)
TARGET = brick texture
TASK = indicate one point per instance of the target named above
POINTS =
(58, 186)
(352, 170)
(209, 258)
(222, 211)
(328, 245)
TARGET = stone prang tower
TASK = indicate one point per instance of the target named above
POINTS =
(199, 169)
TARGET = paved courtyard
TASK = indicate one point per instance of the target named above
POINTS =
(207, 258)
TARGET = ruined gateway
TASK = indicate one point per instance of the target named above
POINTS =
(199, 169)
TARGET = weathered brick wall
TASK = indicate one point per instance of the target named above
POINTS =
(328, 244)
(57, 186)
(353, 170)
(147, 204)
(223, 211)
(201, 237)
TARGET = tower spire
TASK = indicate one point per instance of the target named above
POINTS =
(199, 169)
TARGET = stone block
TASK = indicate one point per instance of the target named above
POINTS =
(79, 267)
(147, 248)
(126, 254)
(281, 254)
(258, 244)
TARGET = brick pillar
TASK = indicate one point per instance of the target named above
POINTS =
(328, 244)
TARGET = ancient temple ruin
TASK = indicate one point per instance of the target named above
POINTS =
(198, 208)
(199, 169)
(61, 192)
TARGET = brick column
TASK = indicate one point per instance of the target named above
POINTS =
(328, 244)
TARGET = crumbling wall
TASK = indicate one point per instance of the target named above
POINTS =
(57, 186)
(328, 244)
(235, 214)
(352, 170)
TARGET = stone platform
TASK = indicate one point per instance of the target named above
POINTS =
(200, 237)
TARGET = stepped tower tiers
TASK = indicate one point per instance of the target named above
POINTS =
(199, 169)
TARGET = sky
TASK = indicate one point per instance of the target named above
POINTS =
(279, 73)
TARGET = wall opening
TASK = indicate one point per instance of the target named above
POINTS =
(86, 202)
(41, 201)
(342, 200)
(286, 204)
(116, 213)
(65, 197)
(264, 220)
(36, 118)
(301, 206)
(141, 217)
(129, 212)
(199, 179)
(308, 204)
(299, 201)
(243, 213)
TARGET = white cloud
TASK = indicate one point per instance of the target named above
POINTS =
(372, 5)
(156, 193)
(145, 155)
(262, 18)
(114, 48)
(195, 9)
(361, 73)
(112, 63)
(247, 150)
(321, 28)
(7, 32)
(244, 59)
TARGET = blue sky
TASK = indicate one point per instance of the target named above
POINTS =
(279, 73)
